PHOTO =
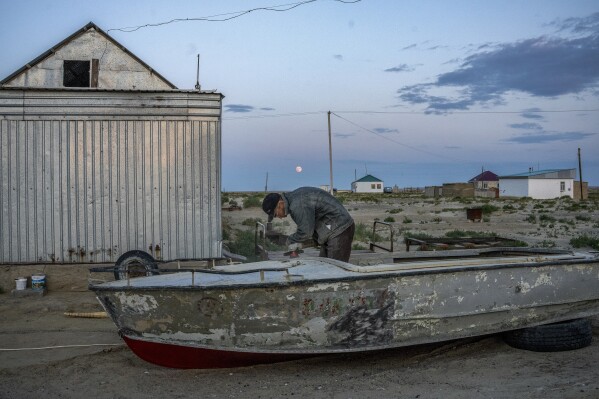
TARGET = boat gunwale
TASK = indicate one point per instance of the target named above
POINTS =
(327, 280)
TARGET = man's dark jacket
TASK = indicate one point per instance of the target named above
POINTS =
(318, 214)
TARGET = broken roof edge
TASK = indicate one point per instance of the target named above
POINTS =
(87, 27)
(536, 173)
(95, 90)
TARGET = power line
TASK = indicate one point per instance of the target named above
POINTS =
(226, 16)
(410, 113)
(397, 142)
(275, 115)
(470, 112)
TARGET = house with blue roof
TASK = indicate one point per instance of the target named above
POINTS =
(367, 184)
(539, 184)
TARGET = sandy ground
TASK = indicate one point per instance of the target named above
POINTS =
(84, 357)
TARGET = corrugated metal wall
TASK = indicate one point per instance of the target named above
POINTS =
(90, 190)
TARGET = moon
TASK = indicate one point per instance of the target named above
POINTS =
(298, 169)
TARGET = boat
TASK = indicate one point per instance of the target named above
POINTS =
(270, 311)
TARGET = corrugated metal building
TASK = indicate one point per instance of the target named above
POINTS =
(539, 184)
(100, 155)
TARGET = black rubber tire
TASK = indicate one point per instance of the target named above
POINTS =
(563, 336)
(135, 264)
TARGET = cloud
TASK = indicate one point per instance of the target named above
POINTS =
(578, 25)
(541, 67)
(383, 130)
(541, 138)
(437, 47)
(526, 126)
(238, 108)
(400, 68)
(338, 57)
(532, 114)
(411, 46)
(267, 109)
(344, 135)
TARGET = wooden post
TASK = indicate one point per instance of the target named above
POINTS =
(330, 154)
(580, 173)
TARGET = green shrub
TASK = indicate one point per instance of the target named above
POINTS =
(468, 233)
(251, 222)
(546, 244)
(583, 218)
(585, 241)
(544, 218)
(389, 219)
(488, 209)
(576, 206)
(409, 234)
(253, 201)
(407, 220)
(394, 211)
(363, 233)
(532, 218)
(567, 221)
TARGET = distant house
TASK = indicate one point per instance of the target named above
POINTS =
(540, 184)
(486, 184)
(485, 180)
(367, 184)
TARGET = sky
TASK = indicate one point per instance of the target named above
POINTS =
(420, 92)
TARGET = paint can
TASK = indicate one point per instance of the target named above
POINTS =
(38, 282)
(21, 283)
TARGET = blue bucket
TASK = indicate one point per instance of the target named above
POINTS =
(38, 282)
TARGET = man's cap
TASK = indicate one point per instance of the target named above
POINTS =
(270, 203)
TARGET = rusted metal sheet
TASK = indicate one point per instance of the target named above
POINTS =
(85, 177)
(108, 105)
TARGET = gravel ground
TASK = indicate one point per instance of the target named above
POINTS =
(484, 367)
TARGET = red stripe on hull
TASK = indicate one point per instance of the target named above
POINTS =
(186, 357)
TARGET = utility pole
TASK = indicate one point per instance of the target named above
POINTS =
(266, 186)
(330, 153)
(580, 173)
(198, 87)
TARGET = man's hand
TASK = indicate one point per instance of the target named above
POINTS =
(294, 250)
(294, 247)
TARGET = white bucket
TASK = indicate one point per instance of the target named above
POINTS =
(21, 283)
(38, 282)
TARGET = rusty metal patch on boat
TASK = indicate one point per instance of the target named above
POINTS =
(210, 307)
(327, 304)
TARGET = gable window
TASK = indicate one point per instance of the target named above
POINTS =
(76, 74)
(80, 73)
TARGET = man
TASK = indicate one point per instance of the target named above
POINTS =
(318, 215)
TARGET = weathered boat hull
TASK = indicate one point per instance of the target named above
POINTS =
(273, 311)
(189, 357)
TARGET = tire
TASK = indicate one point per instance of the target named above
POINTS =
(135, 264)
(563, 336)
